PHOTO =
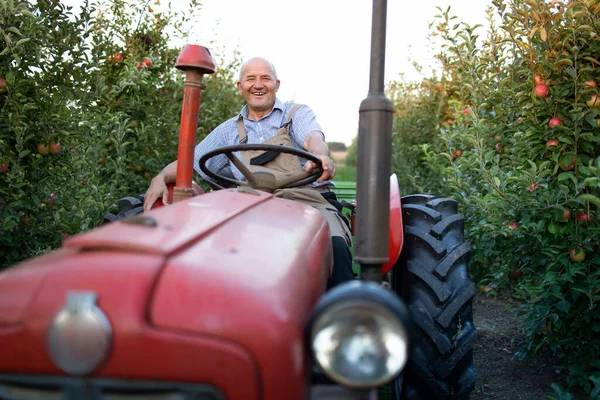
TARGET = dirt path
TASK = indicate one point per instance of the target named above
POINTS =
(498, 375)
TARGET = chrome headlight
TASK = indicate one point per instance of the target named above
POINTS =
(359, 336)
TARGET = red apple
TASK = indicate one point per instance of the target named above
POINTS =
(498, 147)
(513, 226)
(551, 143)
(2, 86)
(3, 168)
(554, 121)
(43, 149)
(541, 90)
(147, 62)
(119, 57)
(577, 254)
(516, 274)
(584, 218)
(590, 83)
(562, 163)
(533, 186)
(466, 111)
(54, 148)
(457, 154)
(566, 214)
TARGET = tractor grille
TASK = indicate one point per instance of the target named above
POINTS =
(26, 387)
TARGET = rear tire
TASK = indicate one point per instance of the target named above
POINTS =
(433, 279)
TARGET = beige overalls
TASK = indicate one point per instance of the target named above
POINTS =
(285, 165)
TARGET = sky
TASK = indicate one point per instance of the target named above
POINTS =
(321, 48)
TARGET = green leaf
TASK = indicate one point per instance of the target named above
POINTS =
(566, 140)
(591, 198)
(550, 276)
(15, 31)
(22, 41)
(24, 153)
(565, 61)
(564, 176)
(571, 71)
(592, 59)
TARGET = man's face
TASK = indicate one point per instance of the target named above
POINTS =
(258, 86)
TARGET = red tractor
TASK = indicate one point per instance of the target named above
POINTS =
(222, 295)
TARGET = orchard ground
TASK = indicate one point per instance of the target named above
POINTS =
(499, 374)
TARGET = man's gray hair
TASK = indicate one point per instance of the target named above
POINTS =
(271, 66)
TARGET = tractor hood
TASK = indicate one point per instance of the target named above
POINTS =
(167, 230)
(229, 275)
(252, 281)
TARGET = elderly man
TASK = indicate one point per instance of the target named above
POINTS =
(266, 119)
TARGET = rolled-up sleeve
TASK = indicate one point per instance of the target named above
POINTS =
(217, 138)
(304, 122)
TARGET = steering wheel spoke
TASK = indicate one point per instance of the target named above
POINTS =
(243, 169)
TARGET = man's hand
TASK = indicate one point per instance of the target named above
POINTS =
(315, 143)
(158, 186)
(328, 168)
(157, 189)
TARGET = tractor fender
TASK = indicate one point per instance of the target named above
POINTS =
(396, 229)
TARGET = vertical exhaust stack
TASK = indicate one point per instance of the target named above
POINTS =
(374, 159)
(195, 61)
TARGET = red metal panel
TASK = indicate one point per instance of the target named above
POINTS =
(178, 225)
(396, 227)
(253, 282)
(123, 283)
(19, 285)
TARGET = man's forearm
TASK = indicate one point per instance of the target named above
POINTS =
(169, 173)
(315, 144)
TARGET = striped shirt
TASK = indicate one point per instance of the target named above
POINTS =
(303, 123)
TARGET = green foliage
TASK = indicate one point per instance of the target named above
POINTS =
(345, 173)
(352, 154)
(336, 146)
(81, 81)
(478, 133)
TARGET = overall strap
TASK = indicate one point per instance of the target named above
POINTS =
(295, 108)
(241, 130)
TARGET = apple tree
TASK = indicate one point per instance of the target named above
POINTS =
(509, 127)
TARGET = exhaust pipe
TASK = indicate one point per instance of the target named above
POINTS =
(374, 158)
(195, 61)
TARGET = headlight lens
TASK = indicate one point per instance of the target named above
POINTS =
(359, 343)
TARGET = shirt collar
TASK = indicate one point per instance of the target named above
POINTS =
(278, 105)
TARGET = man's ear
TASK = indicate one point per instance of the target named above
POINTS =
(277, 85)
(239, 86)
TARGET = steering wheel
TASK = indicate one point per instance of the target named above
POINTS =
(262, 180)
